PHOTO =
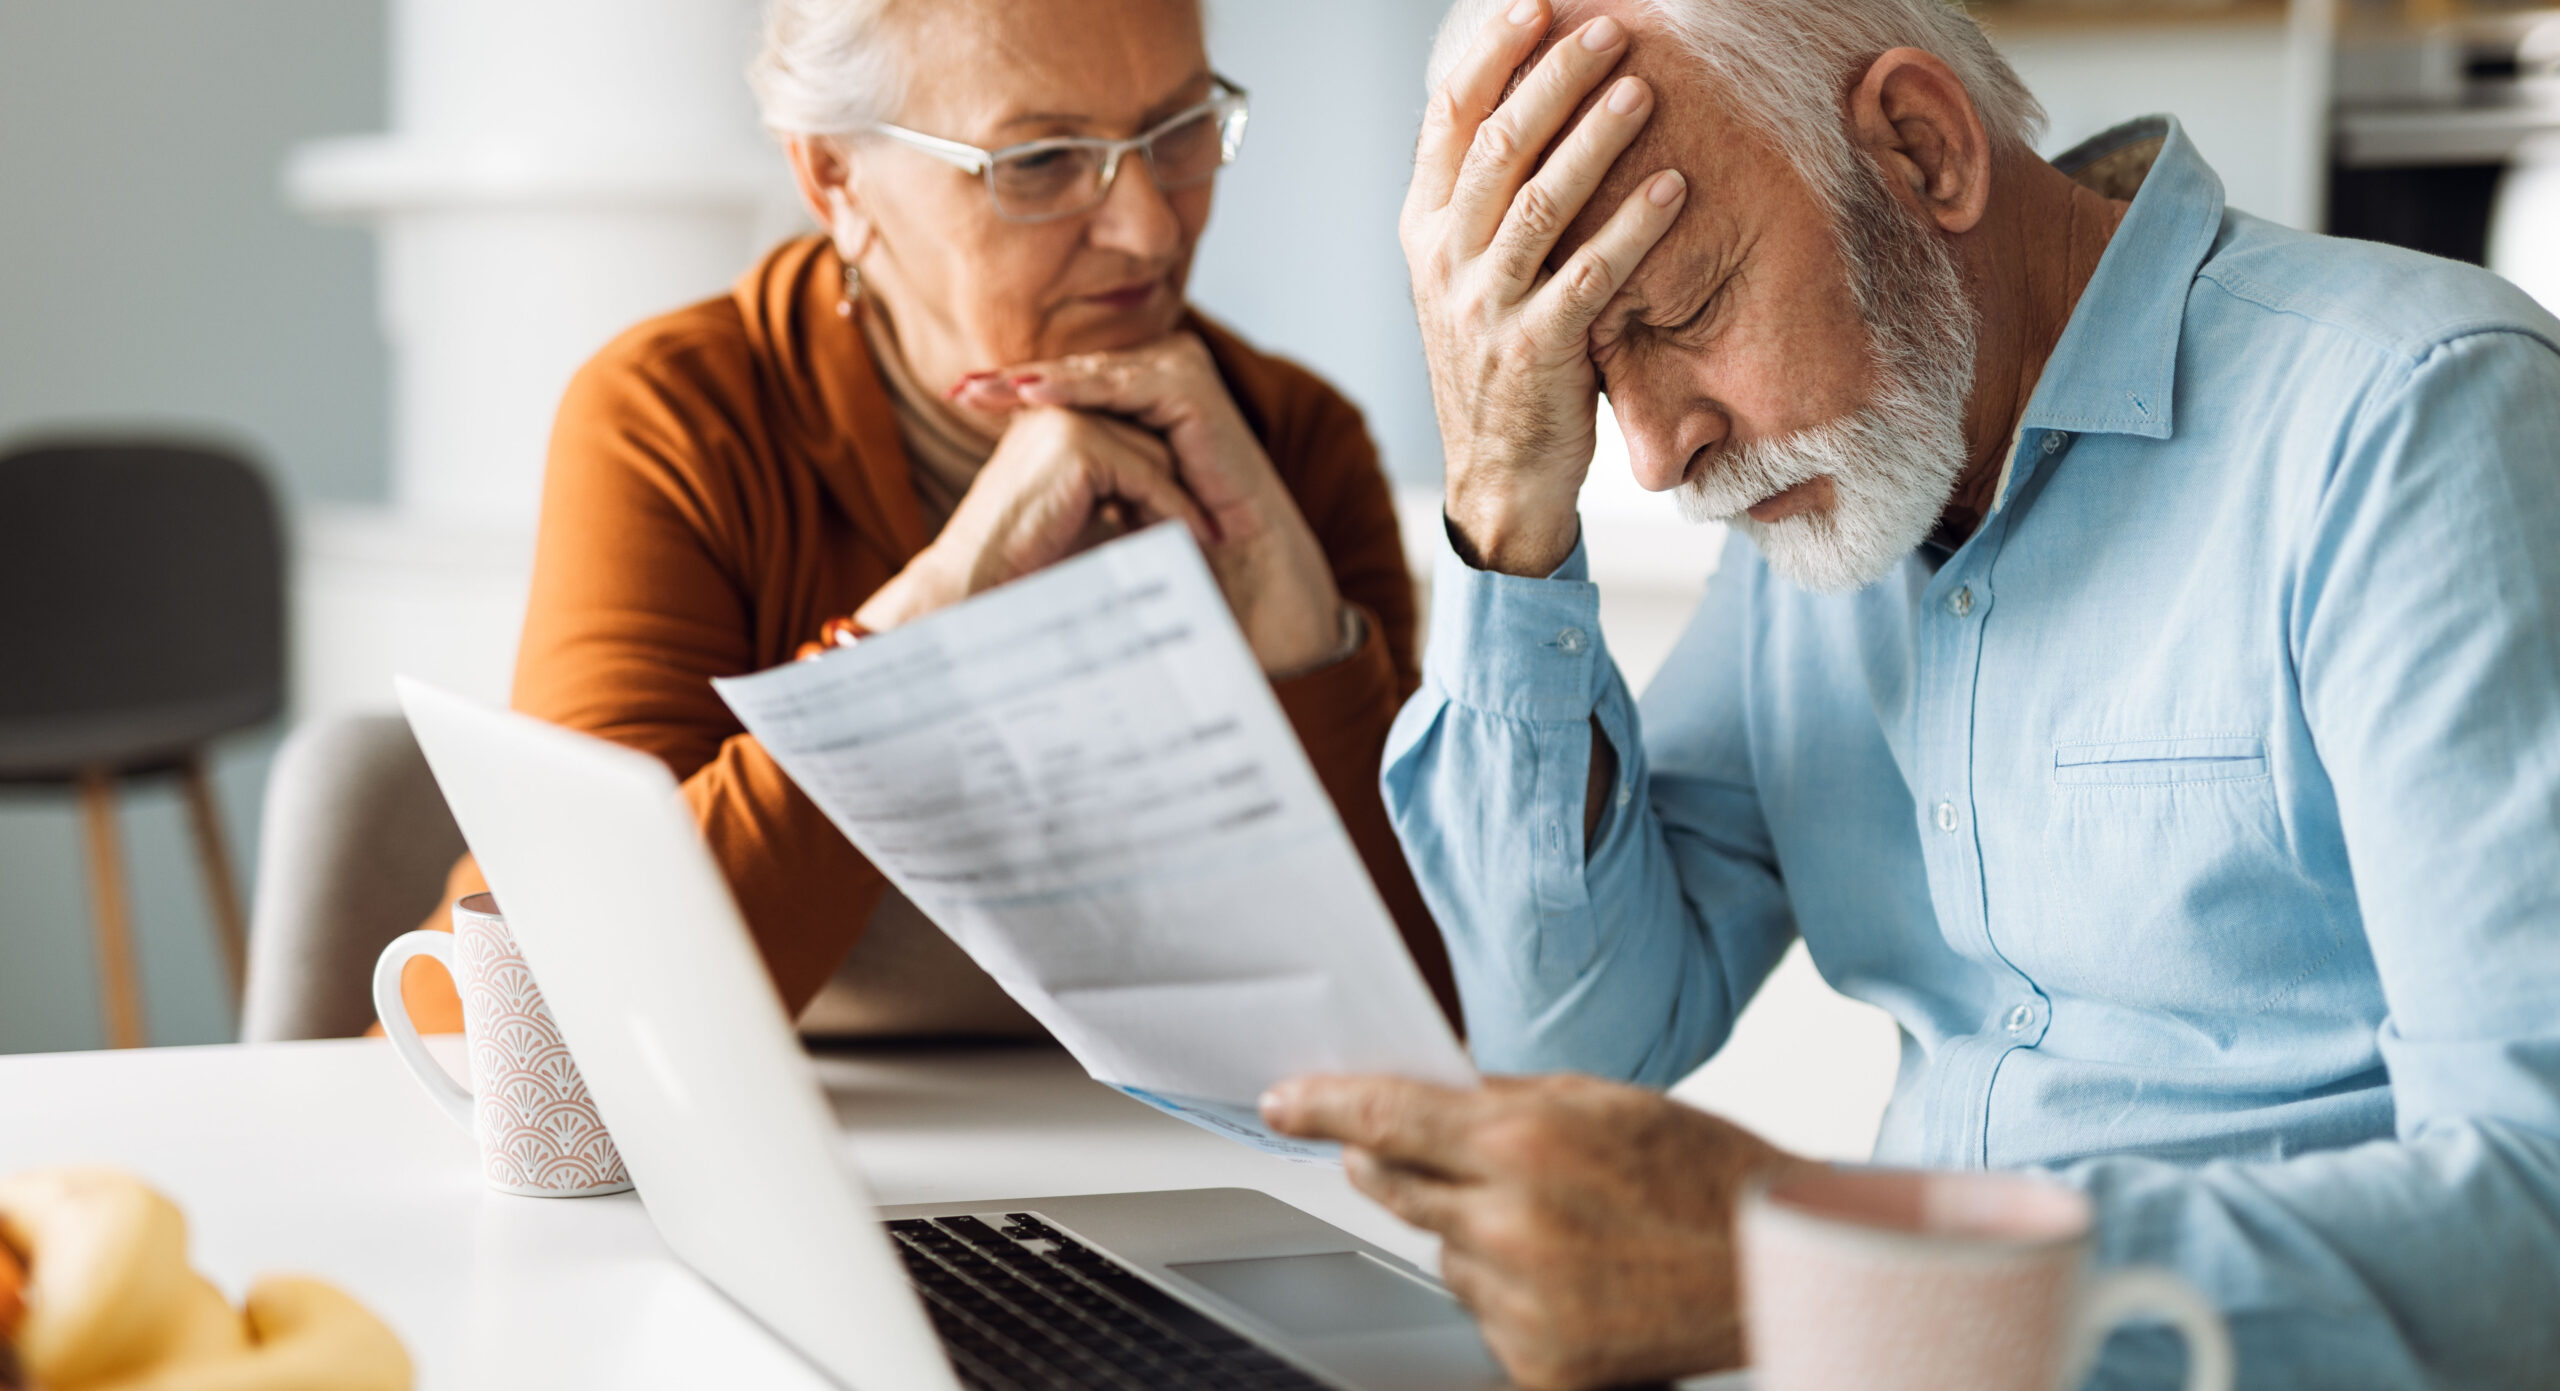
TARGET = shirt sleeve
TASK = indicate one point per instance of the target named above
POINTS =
(2426, 631)
(1627, 957)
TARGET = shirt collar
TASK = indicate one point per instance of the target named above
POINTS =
(2115, 369)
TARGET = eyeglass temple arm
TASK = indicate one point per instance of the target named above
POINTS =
(974, 160)
(968, 158)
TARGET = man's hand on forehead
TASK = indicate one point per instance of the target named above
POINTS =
(1513, 150)
(1652, 150)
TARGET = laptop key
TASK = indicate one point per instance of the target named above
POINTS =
(1119, 1335)
(993, 1344)
(1028, 1308)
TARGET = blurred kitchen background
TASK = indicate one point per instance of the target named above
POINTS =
(363, 242)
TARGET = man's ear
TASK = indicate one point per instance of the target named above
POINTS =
(1912, 116)
(824, 174)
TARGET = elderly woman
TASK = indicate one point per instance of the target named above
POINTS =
(983, 366)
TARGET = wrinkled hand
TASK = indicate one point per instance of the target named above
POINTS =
(1587, 1225)
(1267, 560)
(1053, 474)
(1508, 341)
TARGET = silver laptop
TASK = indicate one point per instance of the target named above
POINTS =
(648, 968)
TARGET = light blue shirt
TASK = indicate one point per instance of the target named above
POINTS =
(2198, 820)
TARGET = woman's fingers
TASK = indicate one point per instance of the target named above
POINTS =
(1506, 146)
(1123, 436)
(1564, 309)
(1556, 194)
(1471, 92)
(1172, 387)
(1137, 469)
(1143, 386)
(1159, 385)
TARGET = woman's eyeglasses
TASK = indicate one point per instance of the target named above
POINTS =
(1042, 180)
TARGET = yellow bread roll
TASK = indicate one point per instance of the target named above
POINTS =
(204, 1329)
(112, 1305)
(108, 1289)
(302, 1336)
(13, 1285)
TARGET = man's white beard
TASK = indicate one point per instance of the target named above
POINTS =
(1894, 465)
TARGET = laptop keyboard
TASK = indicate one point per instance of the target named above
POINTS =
(1026, 1307)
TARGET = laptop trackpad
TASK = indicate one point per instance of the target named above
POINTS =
(1325, 1296)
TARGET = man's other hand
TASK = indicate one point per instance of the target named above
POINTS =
(1587, 1225)
(1507, 340)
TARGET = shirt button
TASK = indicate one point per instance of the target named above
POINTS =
(1946, 816)
(1960, 603)
(1626, 795)
(2020, 1018)
(1571, 641)
(2054, 442)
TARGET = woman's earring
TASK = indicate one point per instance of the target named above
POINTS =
(852, 290)
(849, 252)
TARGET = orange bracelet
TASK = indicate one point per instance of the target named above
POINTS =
(835, 632)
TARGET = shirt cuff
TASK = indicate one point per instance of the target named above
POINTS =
(1508, 645)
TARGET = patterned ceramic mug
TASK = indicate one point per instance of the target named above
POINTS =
(539, 1132)
(1913, 1280)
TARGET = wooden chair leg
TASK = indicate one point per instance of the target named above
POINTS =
(212, 854)
(119, 994)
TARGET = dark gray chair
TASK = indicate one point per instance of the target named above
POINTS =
(141, 617)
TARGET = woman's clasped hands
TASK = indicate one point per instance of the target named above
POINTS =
(1127, 439)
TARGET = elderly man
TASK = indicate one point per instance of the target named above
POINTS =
(2136, 667)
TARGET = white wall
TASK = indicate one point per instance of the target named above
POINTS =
(150, 275)
(148, 268)
(1301, 252)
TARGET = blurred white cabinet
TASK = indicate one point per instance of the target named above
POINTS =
(558, 170)
(2250, 83)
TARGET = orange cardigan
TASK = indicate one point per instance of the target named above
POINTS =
(726, 478)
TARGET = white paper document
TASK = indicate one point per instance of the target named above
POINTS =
(1083, 778)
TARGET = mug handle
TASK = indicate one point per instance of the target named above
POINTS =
(441, 1088)
(2147, 1293)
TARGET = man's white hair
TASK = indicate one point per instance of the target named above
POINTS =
(1788, 65)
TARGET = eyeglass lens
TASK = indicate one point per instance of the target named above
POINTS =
(1065, 179)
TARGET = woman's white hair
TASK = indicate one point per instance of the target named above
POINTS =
(1788, 65)
(828, 67)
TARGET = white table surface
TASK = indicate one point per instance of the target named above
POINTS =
(326, 1159)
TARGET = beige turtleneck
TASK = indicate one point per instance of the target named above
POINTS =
(944, 450)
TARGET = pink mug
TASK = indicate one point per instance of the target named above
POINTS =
(539, 1132)
(1900, 1280)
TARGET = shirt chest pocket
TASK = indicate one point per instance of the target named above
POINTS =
(2160, 762)
(2166, 881)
